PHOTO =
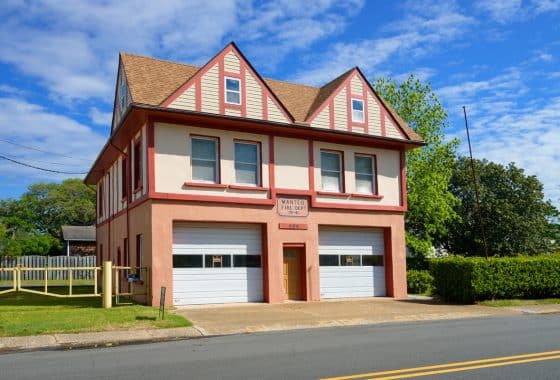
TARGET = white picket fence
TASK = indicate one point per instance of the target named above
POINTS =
(48, 262)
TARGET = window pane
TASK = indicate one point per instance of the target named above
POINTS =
(246, 153)
(328, 260)
(350, 260)
(233, 97)
(358, 116)
(203, 170)
(357, 105)
(364, 184)
(246, 174)
(247, 261)
(372, 261)
(217, 261)
(187, 261)
(232, 84)
(330, 161)
(331, 182)
(204, 149)
(364, 165)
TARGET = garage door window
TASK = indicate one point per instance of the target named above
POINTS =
(247, 261)
(217, 261)
(328, 260)
(350, 260)
(372, 261)
(187, 261)
(204, 159)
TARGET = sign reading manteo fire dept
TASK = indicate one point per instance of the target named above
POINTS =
(292, 207)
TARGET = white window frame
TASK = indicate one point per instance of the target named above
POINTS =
(340, 171)
(373, 173)
(226, 90)
(257, 165)
(216, 158)
(360, 112)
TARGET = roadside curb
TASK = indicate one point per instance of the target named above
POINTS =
(95, 339)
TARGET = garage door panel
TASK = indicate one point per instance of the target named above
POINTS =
(202, 285)
(351, 281)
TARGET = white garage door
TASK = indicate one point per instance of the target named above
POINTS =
(216, 263)
(351, 262)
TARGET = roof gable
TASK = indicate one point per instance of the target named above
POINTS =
(205, 90)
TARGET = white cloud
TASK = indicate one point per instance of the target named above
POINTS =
(70, 47)
(502, 11)
(509, 127)
(100, 118)
(72, 146)
(423, 28)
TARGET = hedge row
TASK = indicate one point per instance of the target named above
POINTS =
(466, 280)
(419, 281)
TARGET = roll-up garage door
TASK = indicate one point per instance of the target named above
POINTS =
(351, 262)
(217, 263)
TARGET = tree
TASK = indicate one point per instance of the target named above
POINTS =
(32, 224)
(429, 169)
(516, 216)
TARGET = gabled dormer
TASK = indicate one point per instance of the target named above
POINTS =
(229, 85)
(349, 103)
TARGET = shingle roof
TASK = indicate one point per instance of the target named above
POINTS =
(79, 233)
(151, 81)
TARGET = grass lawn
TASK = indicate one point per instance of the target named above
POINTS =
(33, 314)
(519, 302)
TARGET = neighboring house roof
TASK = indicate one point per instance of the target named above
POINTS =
(151, 81)
(78, 233)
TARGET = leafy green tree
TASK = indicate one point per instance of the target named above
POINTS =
(516, 215)
(32, 224)
(429, 169)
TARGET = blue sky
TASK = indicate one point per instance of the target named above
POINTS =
(501, 59)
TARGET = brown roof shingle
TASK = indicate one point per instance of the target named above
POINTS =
(151, 81)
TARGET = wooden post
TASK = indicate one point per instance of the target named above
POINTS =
(107, 286)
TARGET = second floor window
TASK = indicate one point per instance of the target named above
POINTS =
(137, 179)
(204, 159)
(233, 90)
(331, 173)
(358, 110)
(247, 163)
(365, 183)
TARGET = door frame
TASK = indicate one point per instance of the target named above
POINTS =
(302, 265)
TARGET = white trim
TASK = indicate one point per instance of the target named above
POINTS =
(216, 158)
(258, 164)
(359, 112)
(238, 80)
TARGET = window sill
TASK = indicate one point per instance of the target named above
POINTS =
(248, 187)
(333, 193)
(137, 190)
(369, 196)
(206, 185)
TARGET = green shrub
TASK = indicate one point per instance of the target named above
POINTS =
(419, 281)
(466, 280)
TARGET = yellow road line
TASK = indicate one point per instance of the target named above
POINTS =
(459, 369)
(448, 365)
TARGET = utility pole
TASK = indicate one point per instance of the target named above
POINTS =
(475, 182)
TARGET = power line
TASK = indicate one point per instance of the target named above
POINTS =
(39, 168)
(40, 150)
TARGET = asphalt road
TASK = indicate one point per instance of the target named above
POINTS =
(320, 353)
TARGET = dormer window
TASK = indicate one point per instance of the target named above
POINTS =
(122, 95)
(358, 110)
(233, 90)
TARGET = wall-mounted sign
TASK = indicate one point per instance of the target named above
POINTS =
(292, 226)
(292, 207)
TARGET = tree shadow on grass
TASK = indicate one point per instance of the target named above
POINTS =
(144, 318)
